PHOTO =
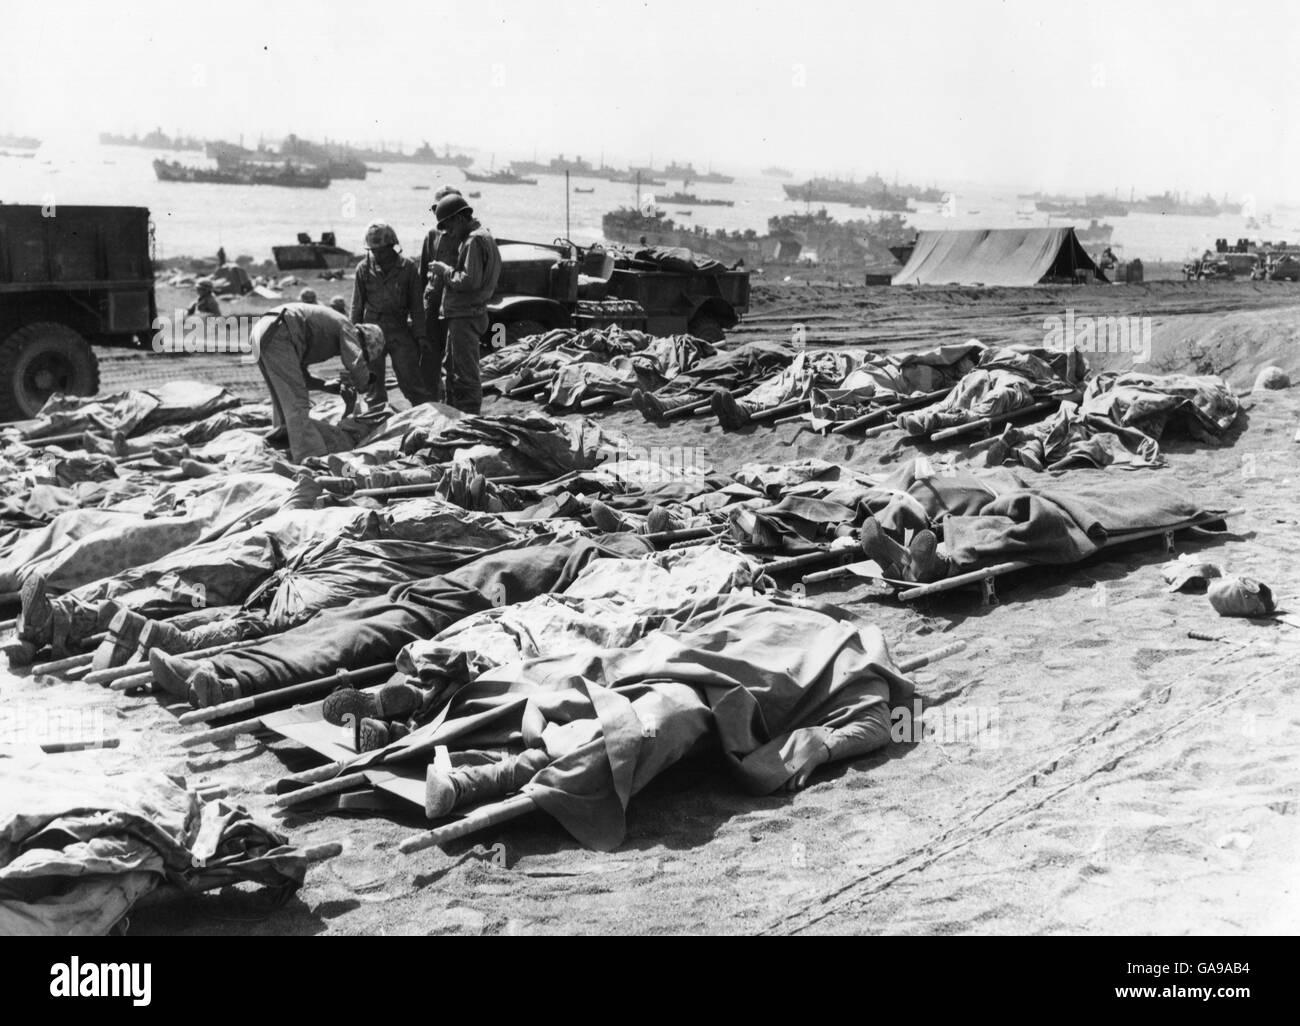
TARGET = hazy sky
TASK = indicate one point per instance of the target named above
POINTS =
(1185, 95)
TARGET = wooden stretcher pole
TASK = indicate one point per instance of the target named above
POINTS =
(286, 696)
(789, 563)
(600, 402)
(987, 422)
(885, 412)
(687, 409)
(773, 412)
(976, 576)
(482, 818)
(934, 656)
(112, 673)
(60, 665)
(56, 439)
(328, 787)
(687, 534)
(311, 776)
(848, 570)
(135, 680)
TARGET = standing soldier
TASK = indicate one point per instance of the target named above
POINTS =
(467, 285)
(387, 292)
(438, 246)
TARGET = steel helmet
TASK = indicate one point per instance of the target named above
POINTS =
(203, 285)
(380, 233)
(449, 206)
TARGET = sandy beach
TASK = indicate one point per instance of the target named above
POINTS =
(1116, 764)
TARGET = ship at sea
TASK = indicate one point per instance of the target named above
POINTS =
(231, 156)
(19, 142)
(334, 158)
(689, 199)
(288, 175)
(577, 168)
(1093, 207)
(636, 176)
(872, 192)
(502, 177)
(777, 172)
(688, 174)
(789, 239)
(426, 154)
(1168, 203)
(155, 140)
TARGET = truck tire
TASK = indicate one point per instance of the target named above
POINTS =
(39, 360)
(708, 328)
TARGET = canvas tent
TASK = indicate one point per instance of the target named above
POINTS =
(996, 256)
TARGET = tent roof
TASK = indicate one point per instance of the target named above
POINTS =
(994, 256)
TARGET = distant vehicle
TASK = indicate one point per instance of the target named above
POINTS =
(1286, 268)
(541, 288)
(502, 177)
(325, 255)
(84, 277)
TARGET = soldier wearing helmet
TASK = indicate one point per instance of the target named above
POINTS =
(387, 292)
(206, 302)
(437, 246)
(467, 284)
(291, 338)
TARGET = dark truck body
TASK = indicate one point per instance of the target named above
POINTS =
(542, 287)
(69, 276)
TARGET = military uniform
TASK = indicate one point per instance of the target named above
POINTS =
(441, 247)
(392, 299)
(286, 342)
(466, 291)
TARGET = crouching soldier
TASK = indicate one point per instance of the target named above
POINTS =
(294, 336)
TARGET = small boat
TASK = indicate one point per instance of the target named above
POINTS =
(584, 190)
(420, 188)
(475, 195)
(691, 198)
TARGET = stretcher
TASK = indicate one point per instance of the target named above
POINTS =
(984, 578)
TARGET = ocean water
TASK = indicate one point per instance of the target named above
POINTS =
(194, 220)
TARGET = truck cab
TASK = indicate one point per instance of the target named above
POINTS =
(70, 277)
(559, 285)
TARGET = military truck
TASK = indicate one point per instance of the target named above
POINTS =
(70, 277)
(560, 285)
